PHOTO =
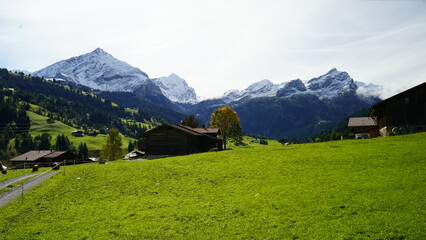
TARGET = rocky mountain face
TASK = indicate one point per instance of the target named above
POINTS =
(292, 109)
(176, 89)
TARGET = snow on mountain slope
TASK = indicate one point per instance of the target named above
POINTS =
(264, 88)
(331, 85)
(98, 70)
(291, 88)
(326, 87)
(176, 89)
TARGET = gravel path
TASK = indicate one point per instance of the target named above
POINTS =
(13, 194)
(15, 180)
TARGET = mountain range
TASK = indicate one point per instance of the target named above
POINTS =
(292, 109)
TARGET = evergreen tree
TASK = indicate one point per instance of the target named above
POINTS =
(130, 147)
(190, 121)
(83, 151)
(62, 143)
(43, 141)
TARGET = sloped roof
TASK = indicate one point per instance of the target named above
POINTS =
(31, 156)
(361, 122)
(186, 129)
(55, 154)
(35, 155)
(208, 130)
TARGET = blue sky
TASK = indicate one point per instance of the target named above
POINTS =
(220, 45)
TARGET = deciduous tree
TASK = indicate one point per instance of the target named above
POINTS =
(112, 148)
(228, 122)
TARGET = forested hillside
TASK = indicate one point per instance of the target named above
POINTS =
(78, 109)
(71, 105)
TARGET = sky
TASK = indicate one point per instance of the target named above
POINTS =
(221, 45)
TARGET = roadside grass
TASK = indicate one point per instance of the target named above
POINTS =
(12, 173)
(39, 126)
(350, 189)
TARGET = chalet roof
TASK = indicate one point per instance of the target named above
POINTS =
(361, 122)
(208, 130)
(31, 156)
(186, 129)
(422, 85)
(55, 154)
(35, 155)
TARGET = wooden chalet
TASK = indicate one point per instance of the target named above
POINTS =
(363, 127)
(77, 133)
(173, 140)
(41, 157)
(406, 110)
(91, 132)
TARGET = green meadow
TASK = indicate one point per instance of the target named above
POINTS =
(39, 126)
(350, 189)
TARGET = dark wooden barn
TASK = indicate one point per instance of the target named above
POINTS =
(43, 158)
(172, 140)
(406, 110)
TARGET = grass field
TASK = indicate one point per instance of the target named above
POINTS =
(40, 126)
(351, 189)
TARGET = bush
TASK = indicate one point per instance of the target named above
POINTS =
(263, 142)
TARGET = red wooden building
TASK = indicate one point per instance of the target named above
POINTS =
(364, 127)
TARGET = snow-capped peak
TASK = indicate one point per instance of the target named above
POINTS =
(176, 89)
(326, 87)
(263, 88)
(97, 69)
(100, 51)
(331, 85)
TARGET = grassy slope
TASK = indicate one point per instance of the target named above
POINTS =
(365, 189)
(40, 126)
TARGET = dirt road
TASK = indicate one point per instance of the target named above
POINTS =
(13, 194)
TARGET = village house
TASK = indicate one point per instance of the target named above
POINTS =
(406, 111)
(41, 157)
(135, 154)
(77, 133)
(172, 140)
(363, 127)
(91, 132)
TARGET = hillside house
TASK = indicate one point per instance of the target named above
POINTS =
(50, 120)
(363, 127)
(41, 157)
(77, 133)
(135, 154)
(173, 140)
(91, 132)
(405, 110)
